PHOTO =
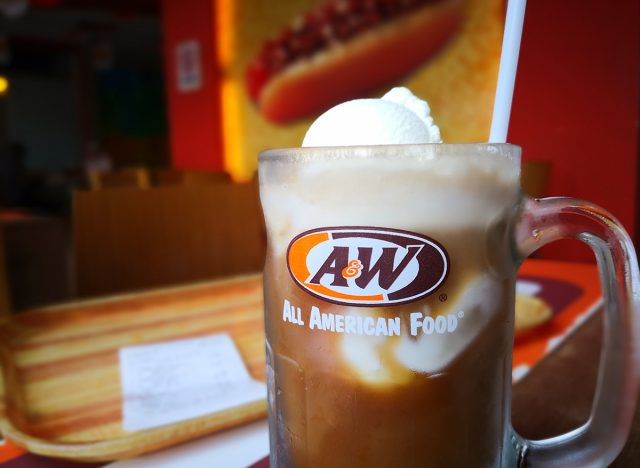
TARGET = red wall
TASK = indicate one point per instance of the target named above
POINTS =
(576, 103)
(194, 116)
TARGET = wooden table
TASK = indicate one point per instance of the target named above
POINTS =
(554, 397)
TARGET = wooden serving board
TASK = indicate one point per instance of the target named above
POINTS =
(60, 369)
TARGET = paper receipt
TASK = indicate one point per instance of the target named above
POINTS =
(163, 383)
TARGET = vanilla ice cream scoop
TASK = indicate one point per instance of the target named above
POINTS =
(397, 118)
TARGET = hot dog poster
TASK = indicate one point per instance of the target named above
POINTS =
(284, 62)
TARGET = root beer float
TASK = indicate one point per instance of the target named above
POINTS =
(389, 292)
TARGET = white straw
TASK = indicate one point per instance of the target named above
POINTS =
(507, 73)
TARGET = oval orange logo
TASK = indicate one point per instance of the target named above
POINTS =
(367, 266)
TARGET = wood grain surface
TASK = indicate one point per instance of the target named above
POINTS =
(5, 298)
(60, 365)
(36, 260)
(61, 370)
(129, 239)
(556, 396)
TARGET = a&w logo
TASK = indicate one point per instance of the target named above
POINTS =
(367, 266)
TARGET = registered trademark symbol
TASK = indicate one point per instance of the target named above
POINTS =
(442, 297)
(461, 314)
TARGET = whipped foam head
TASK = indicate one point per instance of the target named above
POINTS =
(397, 118)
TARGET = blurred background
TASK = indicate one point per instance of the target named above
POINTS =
(129, 133)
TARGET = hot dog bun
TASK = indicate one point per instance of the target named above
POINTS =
(371, 59)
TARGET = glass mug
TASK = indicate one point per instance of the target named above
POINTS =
(389, 308)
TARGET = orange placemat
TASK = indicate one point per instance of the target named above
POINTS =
(572, 290)
(9, 451)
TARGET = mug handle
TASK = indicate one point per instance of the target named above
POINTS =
(602, 437)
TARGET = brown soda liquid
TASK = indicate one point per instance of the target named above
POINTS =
(324, 414)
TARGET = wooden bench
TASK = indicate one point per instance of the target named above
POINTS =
(123, 178)
(130, 239)
(5, 298)
(34, 251)
(171, 177)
